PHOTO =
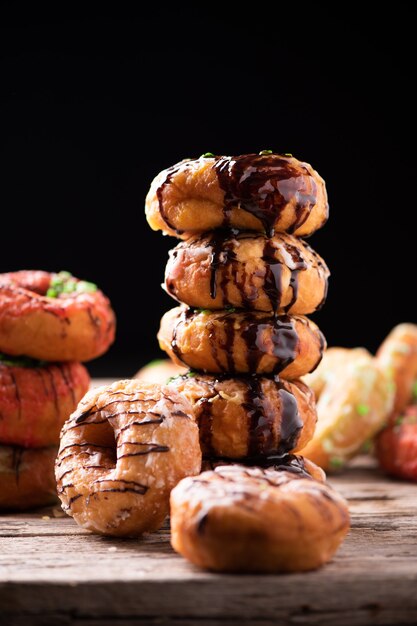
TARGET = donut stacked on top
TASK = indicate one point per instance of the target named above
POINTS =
(48, 324)
(246, 282)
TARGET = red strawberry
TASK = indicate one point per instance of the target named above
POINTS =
(397, 446)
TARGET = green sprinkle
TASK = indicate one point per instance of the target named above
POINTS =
(414, 390)
(399, 421)
(64, 275)
(265, 152)
(56, 282)
(191, 374)
(230, 309)
(336, 463)
(362, 409)
(20, 361)
(63, 282)
(172, 378)
(203, 311)
(287, 154)
(69, 286)
(207, 155)
(327, 446)
(84, 286)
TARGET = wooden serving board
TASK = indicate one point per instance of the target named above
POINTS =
(52, 572)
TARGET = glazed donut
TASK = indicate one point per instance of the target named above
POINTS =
(73, 323)
(249, 415)
(288, 462)
(396, 446)
(159, 371)
(397, 355)
(242, 342)
(332, 367)
(241, 519)
(122, 451)
(247, 270)
(352, 407)
(26, 477)
(264, 192)
(36, 399)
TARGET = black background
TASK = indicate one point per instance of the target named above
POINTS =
(92, 109)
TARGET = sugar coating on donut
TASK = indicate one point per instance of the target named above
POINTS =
(36, 398)
(122, 452)
(354, 399)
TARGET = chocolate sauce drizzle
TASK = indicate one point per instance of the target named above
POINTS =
(261, 184)
(182, 319)
(262, 334)
(264, 185)
(285, 463)
(17, 459)
(262, 417)
(16, 391)
(225, 269)
(128, 485)
(283, 337)
(169, 173)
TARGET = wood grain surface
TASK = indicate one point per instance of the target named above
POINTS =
(52, 572)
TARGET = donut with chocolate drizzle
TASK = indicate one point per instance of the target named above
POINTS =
(249, 519)
(261, 192)
(241, 342)
(77, 324)
(36, 398)
(248, 416)
(122, 451)
(230, 268)
(26, 477)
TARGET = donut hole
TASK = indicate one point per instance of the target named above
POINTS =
(100, 436)
(36, 281)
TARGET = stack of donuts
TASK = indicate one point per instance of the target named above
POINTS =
(49, 323)
(245, 282)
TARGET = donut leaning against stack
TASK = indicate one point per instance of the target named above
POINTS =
(122, 451)
(48, 324)
(245, 282)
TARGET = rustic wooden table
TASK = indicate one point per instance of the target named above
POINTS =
(53, 573)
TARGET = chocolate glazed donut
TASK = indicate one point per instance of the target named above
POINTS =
(240, 519)
(248, 416)
(263, 192)
(241, 342)
(221, 269)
